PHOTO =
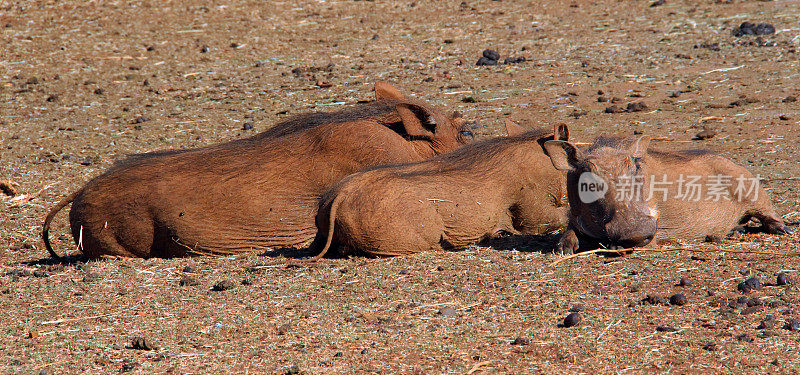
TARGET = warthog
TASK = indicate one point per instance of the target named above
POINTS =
(622, 194)
(254, 193)
(450, 201)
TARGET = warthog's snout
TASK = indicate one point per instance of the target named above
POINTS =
(626, 235)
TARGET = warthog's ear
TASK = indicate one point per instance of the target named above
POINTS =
(417, 121)
(561, 132)
(639, 147)
(512, 128)
(564, 155)
(384, 90)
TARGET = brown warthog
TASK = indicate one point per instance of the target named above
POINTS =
(450, 201)
(622, 195)
(254, 193)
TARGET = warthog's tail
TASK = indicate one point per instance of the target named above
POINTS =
(331, 225)
(46, 226)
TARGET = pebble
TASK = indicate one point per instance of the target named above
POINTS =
(768, 322)
(790, 99)
(223, 285)
(653, 300)
(572, 320)
(140, 119)
(677, 300)
(188, 281)
(247, 126)
(753, 283)
(665, 329)
(755, 301)
(751, 310)
(491, 54)
(707, 133)
(521, 341)
(744, 338)
(188, 269)
(448, 311)
(514, 60)
(483, 61)
(282, 330)
(684, 281)
(578, 307)
(747, 28)
(614, 109)
(140, 343)
(783, 279)
(792, 325)
(636, 107)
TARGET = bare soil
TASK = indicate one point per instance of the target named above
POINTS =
(85, 83)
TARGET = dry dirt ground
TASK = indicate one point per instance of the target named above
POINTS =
(83, 83)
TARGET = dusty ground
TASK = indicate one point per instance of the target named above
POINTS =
(83, 83)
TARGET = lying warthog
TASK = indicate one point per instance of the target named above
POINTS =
(622, 194)
(450, 201)
(253, 193)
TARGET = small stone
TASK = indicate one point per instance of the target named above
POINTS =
(602, 99)
(658, 3)
(790, 99)
(491, 54)
(677, 300)
(572, 320)
(483, 61)
(448, 311)
(578, 307)
(755, 301)
(614, 109)
(140, 119)
(653, 300)
(40, 273)
(292, 370)
(247, 126)
(223, 285)
(187, 280)
(706, 133)
(636, 107)
(52, 98)
(784, 118)
(521, 341)
(792, 325)
(247, 282)
(783, 279)
(129, 365)
(768, 322)
(338, 354)
(91, 277)
(514, 60)
(188, 269)
(140, 343)
(753, 283)
(684, 281)
(665, 329)
(204, 49)
(744, 288)
(710, 346)
(98, 91)
(751, 310)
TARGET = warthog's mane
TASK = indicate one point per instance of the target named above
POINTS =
(296, 124)
(624, 143)
(482, 156)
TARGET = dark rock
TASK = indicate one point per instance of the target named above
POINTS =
(247, 126)
(223, 285)
(707, 133)
(677, 300)
(140, 119)
(636, 107)
(52, 98)
(483, 61)
(204, 49)
(747, 28)
(521, 341)
(783, 279)
(684, 281)
(784, 118)
(753, 283)
(129, 365)
(469, 99)
(602, 99)
(653, 300)
(514, 60)
(338, 354)
(665, 329)
(792, 325)
(140, 343)
(744, 288)
(614, 109)
(284, 329)
(491, 54)
(790, 99)
(91, 277)
(755, 301)
(658, 3)
(292, 370)
(572, 320)
(188, 269)
(710, 346)
(40, 273)
(768, 322)
(247, 282)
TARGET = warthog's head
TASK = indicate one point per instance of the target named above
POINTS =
(608, 186)
(426, 125)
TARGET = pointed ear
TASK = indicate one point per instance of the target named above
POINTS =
(561, 132)
(639, 148)
(384, 90)
(513, 129)
(417, 121)
(564, 155)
